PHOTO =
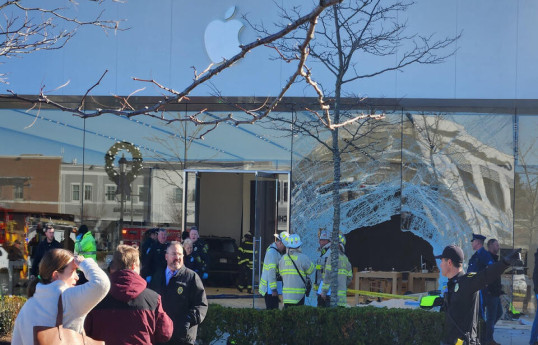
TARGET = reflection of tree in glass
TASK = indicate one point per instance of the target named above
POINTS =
(353, 41)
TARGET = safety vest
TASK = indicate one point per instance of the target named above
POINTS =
(270, 269)
(293, 287)
(345, 274)
(320, 264)
(86, 246)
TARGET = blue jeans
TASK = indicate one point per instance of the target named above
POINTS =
(494, 311)
(534, 332)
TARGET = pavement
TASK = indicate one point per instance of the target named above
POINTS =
(514, 332)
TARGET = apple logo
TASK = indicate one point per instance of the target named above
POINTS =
(222, 37)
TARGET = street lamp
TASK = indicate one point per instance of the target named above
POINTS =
(122, 186)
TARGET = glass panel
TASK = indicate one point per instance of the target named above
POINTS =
(457, 177)
(526, 205)
(259, 146)
(369, 189)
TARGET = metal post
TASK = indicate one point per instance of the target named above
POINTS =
(122, 162)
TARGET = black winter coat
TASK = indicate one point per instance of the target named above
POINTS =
(43, 247)
(462, 302)
(184, 300)
(154, 260)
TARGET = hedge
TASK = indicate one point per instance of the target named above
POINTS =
(310, 325)
(9, 309)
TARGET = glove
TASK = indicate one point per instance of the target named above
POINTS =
(205, 275)
(513, 258)
(148, 279)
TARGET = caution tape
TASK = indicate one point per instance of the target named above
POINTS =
(519, 294)
(382, 295)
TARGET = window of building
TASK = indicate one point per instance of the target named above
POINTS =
(468, 181)
(141, 194)
(178, 195)
(88, 192)
(18, 192)
(75, 192)
(111, 193)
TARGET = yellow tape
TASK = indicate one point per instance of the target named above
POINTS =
(383, 295)
(519, 294)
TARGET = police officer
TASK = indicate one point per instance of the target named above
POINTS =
(481, 258)
(461, 300)
(479, 261)
(155, 260)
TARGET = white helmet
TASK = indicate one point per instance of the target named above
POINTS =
(293, 241)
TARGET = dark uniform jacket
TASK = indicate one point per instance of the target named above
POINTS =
(480, 260)
(43, 247)
(144, 249)
(184, 300)
(130, 314)
(154, 260)
(462, 302)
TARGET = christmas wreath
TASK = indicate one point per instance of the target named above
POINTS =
(111, 156)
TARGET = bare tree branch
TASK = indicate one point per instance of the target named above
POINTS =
(309, 21)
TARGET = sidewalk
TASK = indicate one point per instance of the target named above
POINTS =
(514, 332)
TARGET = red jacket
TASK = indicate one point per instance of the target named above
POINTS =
(130, 314)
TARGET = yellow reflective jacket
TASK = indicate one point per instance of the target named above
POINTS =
(320, 264)
(270, 269)
(345, 274)
(293, 288)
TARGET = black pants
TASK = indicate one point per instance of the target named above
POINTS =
(301, 302)
(324, 303)
(271, 302)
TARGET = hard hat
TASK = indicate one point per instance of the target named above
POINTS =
(293, 241)
(281, 236)
(324, 235)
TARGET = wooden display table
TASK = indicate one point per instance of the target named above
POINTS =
(417, 281)
(393, 276)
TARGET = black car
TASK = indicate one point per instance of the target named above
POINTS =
(223, 265)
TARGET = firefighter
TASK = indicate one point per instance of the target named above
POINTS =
(324, 255)
(344, 276)
(244, 260)
(270, 275)
(295, 268)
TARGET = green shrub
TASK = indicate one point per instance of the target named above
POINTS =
(9, 309)
(313, 326)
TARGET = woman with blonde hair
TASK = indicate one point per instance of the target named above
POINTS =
(58, 275)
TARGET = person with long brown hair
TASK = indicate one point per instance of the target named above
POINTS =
(58, 275)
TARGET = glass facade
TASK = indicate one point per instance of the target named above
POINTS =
(436, 175)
